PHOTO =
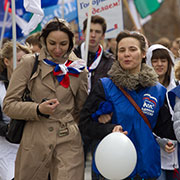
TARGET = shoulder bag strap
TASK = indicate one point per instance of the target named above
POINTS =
(35, 64)
(25, 96)
(136, 106)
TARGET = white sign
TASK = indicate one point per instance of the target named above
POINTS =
(110, 10)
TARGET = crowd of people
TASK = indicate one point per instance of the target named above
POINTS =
(76, 102)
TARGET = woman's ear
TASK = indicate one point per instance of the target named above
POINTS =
(144, 55)
(6, 62)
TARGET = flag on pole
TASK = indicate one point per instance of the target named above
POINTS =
(147, 7)
(33, 6)
(20, 12)
(137, 19)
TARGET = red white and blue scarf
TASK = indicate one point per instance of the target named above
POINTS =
(62, 71)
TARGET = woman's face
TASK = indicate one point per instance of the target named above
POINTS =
(130, 55)
(160, 66)
(57, 44)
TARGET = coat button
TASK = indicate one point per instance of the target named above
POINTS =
(50, 129)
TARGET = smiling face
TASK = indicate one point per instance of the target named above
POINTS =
(160, 66)
(162, 63)
(57, 44)
(130, 55)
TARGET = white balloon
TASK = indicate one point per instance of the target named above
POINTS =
(115, 156)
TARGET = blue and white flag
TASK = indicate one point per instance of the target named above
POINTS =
(51, 8)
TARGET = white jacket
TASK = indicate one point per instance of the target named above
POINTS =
(8, 150)
(168, 161)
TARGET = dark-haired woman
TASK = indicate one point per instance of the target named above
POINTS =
(51, 140)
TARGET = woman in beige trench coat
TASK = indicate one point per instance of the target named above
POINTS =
(51, 141)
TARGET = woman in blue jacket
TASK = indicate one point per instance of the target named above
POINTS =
(141, 82)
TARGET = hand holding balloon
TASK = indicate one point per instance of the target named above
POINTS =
(115, 156)
(119, 128)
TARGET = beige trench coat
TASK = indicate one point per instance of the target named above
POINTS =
(43, 149)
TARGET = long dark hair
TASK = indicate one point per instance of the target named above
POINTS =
(164, 54)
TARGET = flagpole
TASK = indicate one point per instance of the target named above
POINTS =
(62, 9)
(14, 32)
(121, 19)
(130, 14)
(88, 31)
(4, 24)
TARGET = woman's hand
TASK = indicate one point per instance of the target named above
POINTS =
(169, 147)
(119, 128)
(105, 118)
(49, 106)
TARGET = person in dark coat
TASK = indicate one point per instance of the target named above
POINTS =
(98, 62)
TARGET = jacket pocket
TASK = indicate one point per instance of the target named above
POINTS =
(27, 138)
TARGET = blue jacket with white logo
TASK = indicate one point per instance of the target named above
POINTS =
(150, 101)
(107, 98)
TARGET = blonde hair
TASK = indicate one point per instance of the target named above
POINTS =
(7, 52)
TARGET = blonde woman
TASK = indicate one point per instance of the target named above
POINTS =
(8, 150)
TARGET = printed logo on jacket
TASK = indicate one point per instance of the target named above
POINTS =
(149, 104)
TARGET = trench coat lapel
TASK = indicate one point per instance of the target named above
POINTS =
(47, 79)
(46, 71)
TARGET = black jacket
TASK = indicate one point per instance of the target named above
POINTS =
(103, 67)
